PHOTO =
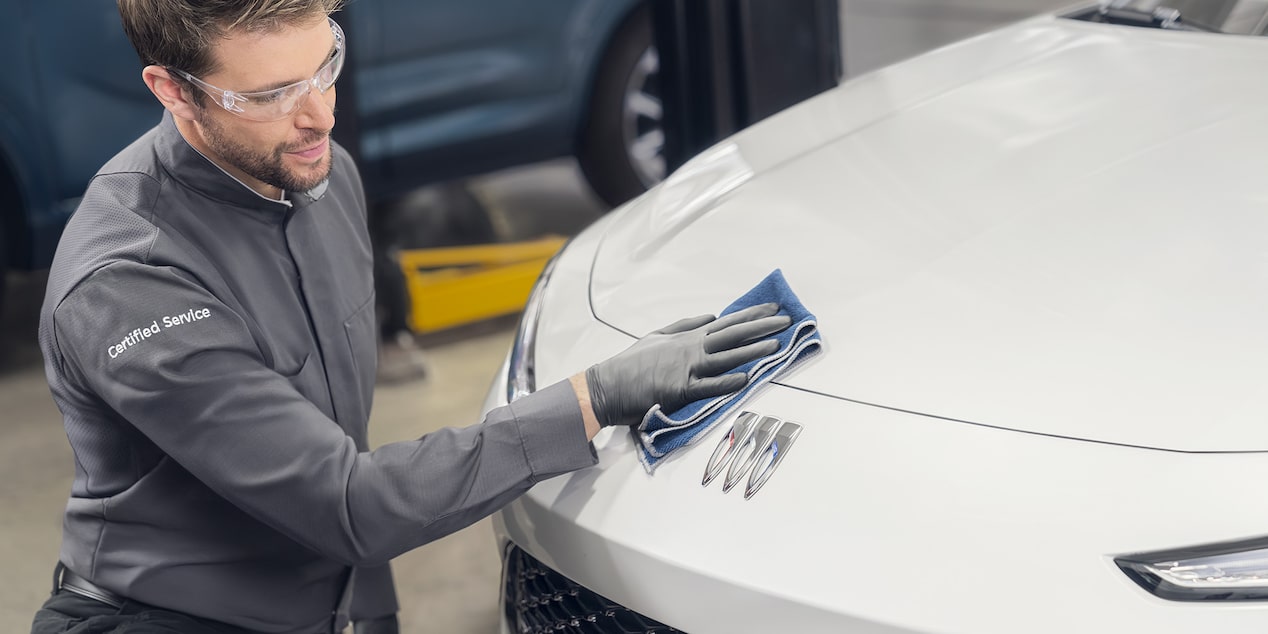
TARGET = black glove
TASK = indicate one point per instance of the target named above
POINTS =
(381, 625)
(681, 363)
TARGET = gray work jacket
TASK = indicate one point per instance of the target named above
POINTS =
(213, 355)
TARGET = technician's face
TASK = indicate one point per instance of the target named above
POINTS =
(292, 153)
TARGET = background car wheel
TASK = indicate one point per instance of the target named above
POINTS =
(441, 215)
(621, 149)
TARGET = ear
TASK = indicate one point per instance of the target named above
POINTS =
(170, 93)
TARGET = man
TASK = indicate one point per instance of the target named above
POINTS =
(209, 336)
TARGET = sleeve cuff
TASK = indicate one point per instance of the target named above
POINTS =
(552, 432)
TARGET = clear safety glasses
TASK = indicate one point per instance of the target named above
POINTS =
(279, 103)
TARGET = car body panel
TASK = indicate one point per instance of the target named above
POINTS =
(444, 89)
(873, 522)
(451, 90)
(1040, 350)
(987, 240)
(864, 489)
(48, 81)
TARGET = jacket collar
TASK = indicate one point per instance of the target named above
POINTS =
(195, 171)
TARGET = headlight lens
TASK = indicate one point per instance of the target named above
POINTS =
(1233, 571)
(520, 377)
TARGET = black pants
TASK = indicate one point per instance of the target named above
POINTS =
(392, 292)
(69, 613)
(390, 287)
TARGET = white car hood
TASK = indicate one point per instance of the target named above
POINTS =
(1066, 233)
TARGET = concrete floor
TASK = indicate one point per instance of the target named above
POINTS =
(448, 586)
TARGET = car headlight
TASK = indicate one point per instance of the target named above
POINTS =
(1232, 571)
(520, 377)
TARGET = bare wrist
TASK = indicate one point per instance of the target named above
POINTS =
(582, 390)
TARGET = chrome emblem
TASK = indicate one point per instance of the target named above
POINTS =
(729, 446)
(755, 446)
(771, 456)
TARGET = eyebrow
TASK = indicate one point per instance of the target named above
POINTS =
(334, 46)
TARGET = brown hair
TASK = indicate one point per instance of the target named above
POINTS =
(179, 33)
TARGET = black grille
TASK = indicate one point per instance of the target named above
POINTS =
(538, 600)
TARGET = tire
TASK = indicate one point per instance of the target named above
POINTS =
(441, 215)
(621, 147)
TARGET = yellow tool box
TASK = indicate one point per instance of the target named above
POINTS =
(451, 286)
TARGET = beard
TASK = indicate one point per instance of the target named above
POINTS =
(267, 166)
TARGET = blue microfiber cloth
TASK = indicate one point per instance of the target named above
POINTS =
(661, 434)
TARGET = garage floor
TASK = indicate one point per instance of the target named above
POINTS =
(448, 586)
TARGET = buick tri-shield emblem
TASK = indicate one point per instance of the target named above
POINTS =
(755, 446)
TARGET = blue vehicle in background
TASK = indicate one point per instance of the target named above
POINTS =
(441, 90)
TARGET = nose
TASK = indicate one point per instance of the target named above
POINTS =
(317, 111)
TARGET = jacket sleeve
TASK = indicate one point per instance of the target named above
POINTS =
(199, 388)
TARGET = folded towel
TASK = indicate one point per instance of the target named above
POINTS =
(660, 434)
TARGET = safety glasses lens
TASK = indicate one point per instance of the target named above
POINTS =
(281, 103)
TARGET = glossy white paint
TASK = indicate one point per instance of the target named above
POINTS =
(1071, 244)
(1055, 235)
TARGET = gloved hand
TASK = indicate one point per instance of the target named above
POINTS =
(381, 625)
(681, 363)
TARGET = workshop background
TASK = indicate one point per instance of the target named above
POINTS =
(451, 585)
